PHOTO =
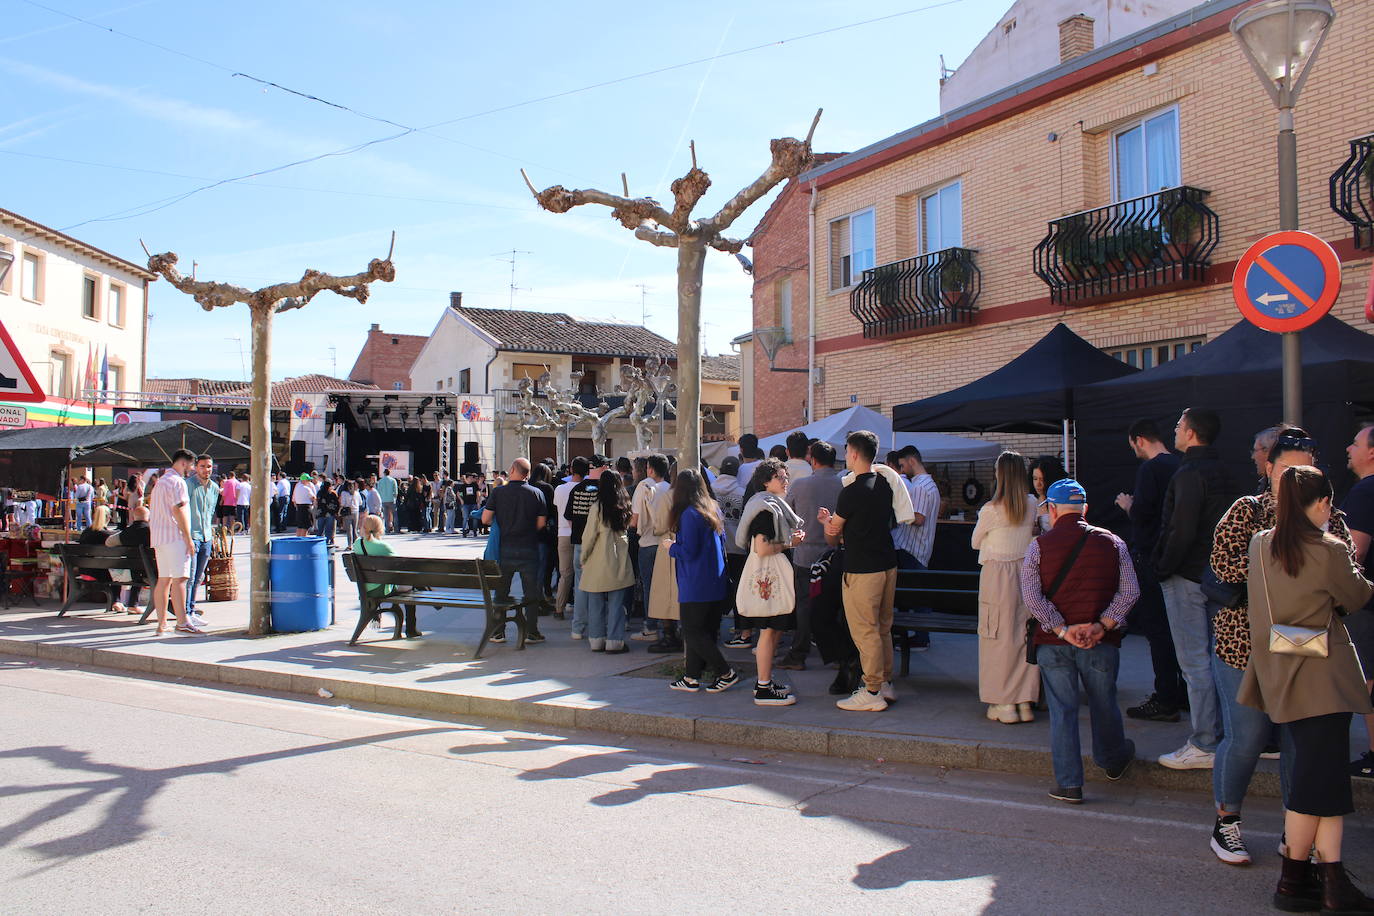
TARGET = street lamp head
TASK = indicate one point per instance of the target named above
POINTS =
(1281, 39)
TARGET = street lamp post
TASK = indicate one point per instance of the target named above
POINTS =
(1281, 38)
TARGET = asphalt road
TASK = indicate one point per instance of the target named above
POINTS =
(123, 795)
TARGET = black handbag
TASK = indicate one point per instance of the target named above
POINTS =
(1033, 625)
(1226, 594)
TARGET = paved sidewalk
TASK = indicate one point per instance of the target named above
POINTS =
(937, 720)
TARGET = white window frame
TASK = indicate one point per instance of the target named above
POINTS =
(69, 360)
(7, 285)
(854, 275)
(117, 373)
(1140, 122)
(921, 214)
(783, 292)
(95, 296)
(40, 271)
(112, 289)
(1133, 354)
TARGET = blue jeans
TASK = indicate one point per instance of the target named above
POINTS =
(1062, 668)
(526, 564)
(1191, 627)
(325, 528)
(83, 515)
(1247, 731)
(199, 564)
(647, 556)
(579, 621)
(472, 518)
(606, 615)
(389, 517)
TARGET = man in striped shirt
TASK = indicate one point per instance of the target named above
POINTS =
(169, 526)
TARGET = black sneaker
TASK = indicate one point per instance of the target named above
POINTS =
(1363, 767)
(536, 636)
(1072, 795)
(1226, 841)
(1153, 710)
(665, 646)
(724, 682)
(689, 684)
(736, 641)
(1117, 772)
(772, 694)
(498, 636)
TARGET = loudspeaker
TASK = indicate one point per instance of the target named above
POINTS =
(297, 455)
(472, 459)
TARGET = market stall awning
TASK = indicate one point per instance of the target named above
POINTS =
(1034, 393)
(935, 447)
(33, 458)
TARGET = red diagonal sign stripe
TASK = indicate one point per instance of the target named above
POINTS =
(1286, 283)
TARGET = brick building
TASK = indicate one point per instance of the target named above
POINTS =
(1113, 192)
(386, 358)
(780, 298)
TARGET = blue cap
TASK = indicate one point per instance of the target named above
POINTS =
(1066, 492)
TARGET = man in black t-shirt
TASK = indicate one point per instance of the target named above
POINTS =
(519, 512)
(470, 495)
(580, 501)
(863, 520)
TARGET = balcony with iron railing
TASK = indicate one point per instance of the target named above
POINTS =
(1352, 190)
(933, 290)
(1160, 240)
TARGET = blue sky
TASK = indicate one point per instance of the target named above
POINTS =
(139, 125)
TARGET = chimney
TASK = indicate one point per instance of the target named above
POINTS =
(455, 300)
(1075, 37)
(376, 327)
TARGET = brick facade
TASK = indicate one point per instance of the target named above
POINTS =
(385, 359)
(1047, 153)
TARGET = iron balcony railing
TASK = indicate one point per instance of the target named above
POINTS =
(1352, 190)
(935, 289)
(1161, 239)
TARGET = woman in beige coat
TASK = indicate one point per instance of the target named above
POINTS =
(607, 576)
(1006, 683)
(1301, 576)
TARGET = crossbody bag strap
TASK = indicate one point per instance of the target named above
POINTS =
(1068, 565)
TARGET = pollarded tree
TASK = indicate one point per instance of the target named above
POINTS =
(263, 305)
(650, 222)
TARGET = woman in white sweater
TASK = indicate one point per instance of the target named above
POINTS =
(1006, 683)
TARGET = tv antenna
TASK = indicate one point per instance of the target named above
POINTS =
(514, 252)
(243, 364)
(334, 362)
(643, 303)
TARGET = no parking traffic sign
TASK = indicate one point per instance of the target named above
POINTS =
(1287, 281)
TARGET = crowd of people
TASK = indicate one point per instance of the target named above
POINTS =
(1253, 597)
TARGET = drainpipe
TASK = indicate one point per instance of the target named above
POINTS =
(143, 357)
(496, 419)
(811, 309)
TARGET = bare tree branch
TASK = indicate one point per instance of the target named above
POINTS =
(631, 212)
(279, 297)
(729, 246)
(791, 157)
(647, 233)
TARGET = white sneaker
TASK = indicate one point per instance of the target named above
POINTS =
(1188, 757)
(888, 692)
(863, 701)
(196, 621)
(579, 635)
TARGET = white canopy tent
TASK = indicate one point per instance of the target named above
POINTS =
(934, 447)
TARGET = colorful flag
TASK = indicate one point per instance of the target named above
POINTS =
(105, 370)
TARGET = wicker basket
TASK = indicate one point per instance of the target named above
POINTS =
(221, 580)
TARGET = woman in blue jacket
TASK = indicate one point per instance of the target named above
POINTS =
(698, 552)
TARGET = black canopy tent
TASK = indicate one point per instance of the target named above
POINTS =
(1034, 393)
(1239, 375)
(33, 459)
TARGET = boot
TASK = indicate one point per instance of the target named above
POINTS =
(1300, 887)
(847, 678)
(1338, 895)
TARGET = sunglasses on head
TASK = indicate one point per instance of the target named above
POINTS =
(1303, 444)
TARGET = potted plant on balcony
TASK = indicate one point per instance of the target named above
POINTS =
(1073, 249)
(1180, 221)
(955, 274)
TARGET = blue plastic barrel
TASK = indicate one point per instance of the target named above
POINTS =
(299, 572)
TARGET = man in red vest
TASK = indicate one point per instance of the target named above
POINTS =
(1079, 584)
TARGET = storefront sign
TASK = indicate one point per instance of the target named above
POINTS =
(13, 416)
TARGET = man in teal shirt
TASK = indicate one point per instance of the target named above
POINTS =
(386, 488)
(204, 496)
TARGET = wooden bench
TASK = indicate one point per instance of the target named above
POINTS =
(79, 559)
(428, 582)
(934, 600)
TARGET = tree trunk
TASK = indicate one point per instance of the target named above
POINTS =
(260, 472)
(691, 264)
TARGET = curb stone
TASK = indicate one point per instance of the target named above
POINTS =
(856, 744)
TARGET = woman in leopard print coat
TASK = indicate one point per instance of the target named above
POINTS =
(1247, 730)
